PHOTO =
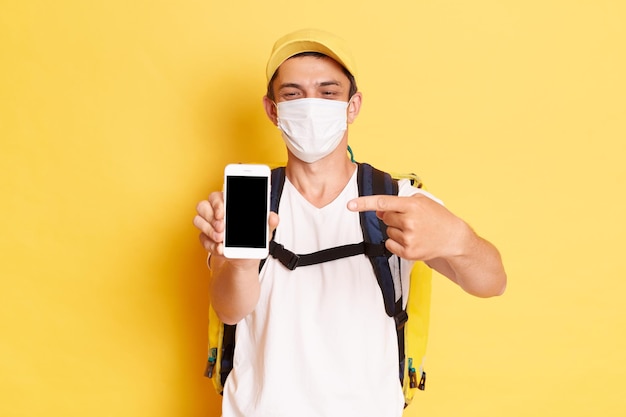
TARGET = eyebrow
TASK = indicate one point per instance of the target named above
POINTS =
(289, 85)
(322, 84)
(329, 83)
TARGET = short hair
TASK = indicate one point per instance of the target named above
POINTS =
(353, 86)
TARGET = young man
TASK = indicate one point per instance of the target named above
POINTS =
(316, 341)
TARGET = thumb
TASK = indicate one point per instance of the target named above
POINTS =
(273, 221)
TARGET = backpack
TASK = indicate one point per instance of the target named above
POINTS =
(411, 323)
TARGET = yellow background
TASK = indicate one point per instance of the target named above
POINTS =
(116, 117)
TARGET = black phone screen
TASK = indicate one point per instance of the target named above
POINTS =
(246, 211)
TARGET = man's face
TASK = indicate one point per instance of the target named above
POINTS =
(311, 77)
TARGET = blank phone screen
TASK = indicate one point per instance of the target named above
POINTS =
(246, 216)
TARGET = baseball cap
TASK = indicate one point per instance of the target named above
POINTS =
(310, 40)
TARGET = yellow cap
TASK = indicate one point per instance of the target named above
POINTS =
(310, 40)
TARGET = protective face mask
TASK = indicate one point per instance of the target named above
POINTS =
(312, 127)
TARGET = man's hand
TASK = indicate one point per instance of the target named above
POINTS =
(421, 229)
(418, 227)
(210, 222)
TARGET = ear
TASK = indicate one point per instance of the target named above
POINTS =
(354, 107)
(270, 110)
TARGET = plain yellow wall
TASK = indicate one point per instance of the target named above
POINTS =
(116, 117)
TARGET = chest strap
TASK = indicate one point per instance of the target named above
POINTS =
(291, 260)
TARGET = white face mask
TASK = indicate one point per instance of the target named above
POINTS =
(312, 127)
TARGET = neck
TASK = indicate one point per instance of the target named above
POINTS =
(322, 181)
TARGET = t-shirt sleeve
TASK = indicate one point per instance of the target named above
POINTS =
(405, 189)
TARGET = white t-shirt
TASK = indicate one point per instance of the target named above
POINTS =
(319, 342)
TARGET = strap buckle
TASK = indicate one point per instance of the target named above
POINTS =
(401, 318)
(292, 262)
(286, 257)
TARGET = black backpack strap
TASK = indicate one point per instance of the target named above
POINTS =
(277, 184)
(372, 181)
(291, 260)
(228, 351)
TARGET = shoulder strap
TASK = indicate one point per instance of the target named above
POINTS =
(375, 182)
(372, 181)
(277, 184)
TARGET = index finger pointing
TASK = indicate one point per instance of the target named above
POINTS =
(374, 203)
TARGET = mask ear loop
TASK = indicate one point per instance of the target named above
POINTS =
(351, 154)
(276, 109)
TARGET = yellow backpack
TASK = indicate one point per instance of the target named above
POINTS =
(412, 323)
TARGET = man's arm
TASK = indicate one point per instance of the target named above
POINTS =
(477, 269)
(419, 228)
(234, 283)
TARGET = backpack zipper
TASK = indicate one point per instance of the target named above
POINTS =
(210, 366)
(421, 385)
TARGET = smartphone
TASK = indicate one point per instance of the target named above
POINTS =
(247, 205)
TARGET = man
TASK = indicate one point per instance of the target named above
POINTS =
(316, 341)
